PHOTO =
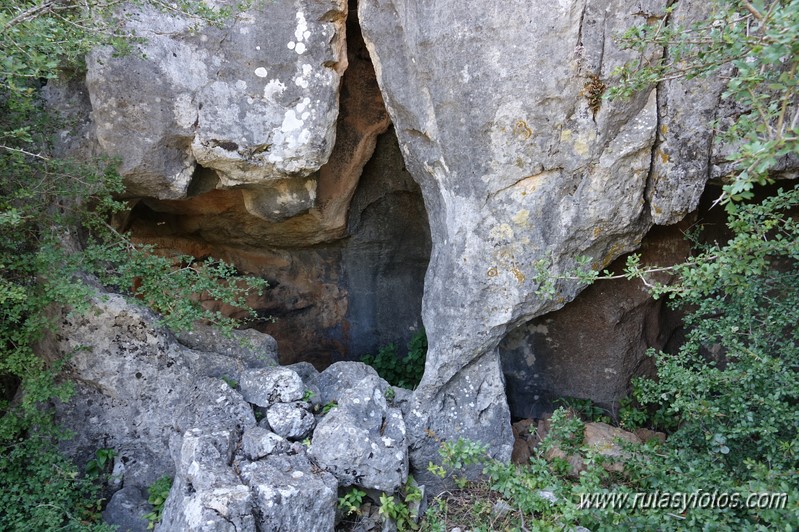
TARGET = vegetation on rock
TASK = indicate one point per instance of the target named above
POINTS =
(55, 239)
(405, 372)
(729, 396)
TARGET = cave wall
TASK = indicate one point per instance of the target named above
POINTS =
(331, 301)
(346, 263)
(592, 347)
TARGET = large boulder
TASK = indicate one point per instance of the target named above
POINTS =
(500, 119)
(362, 440)
(267, 386)
(126, 510)
(207, 494)
(255, 100)
(291, 494)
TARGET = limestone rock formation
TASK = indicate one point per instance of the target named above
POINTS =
(138, 390)
(362, 440)
(164, 411)
(518, 162)
(256, 100)
(248, 142)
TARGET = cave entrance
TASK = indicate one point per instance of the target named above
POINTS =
(592, 347)
(346, 273)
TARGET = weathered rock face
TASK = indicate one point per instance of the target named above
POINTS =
(138, 390)
(257, 101)
(497, 116)
(291, 495)
(330, 298)
(339, 300)
(685, 149)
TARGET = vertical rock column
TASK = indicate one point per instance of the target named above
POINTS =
(499, 115)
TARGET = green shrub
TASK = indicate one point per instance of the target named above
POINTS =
(54, 233)
(350, 503)
(403, 372)
(41, 490)
(156, 496)
(401, 508)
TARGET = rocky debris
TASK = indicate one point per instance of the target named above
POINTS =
(606, 440)
(267, 386)
(290, 494)
(258, 442)
(145, 395)
(293, 421)
(362, 440)
(525, 440)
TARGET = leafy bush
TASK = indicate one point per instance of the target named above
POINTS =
(156, 496)
(54, 235)
(41, 490)
(403, 372)
(350, 503)
(401, 508)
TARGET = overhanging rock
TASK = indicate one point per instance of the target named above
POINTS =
(500, 118)
(255, 100)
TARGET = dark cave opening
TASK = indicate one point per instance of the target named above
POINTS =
(347, 274)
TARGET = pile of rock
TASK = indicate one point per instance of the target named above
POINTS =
(283, 472)
(606, 440)
(251, 445)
